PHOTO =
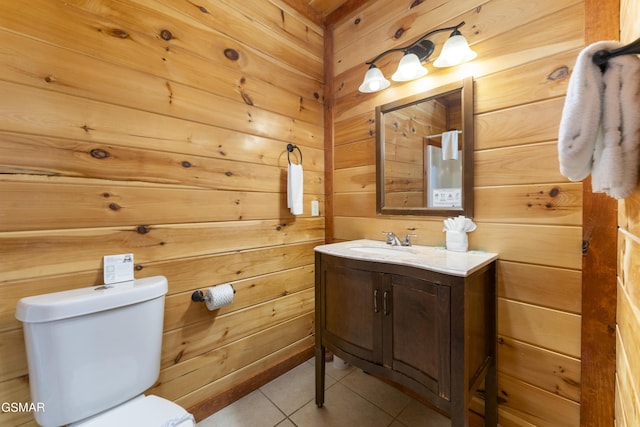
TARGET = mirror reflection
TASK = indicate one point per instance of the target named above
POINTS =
(425, 150)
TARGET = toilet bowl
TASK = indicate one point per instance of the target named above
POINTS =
(141, 411)
(93, 352)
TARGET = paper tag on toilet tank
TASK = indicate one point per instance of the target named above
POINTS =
(118, 268)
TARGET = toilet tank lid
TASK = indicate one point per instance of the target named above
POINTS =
(78, 302)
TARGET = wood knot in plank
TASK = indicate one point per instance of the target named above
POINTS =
(143, 229)
(357, 21)
(554, 192)
(138, 267)
(231, 54)
(168, 86)
(118, 33)
(399, 32)
(50, 78)
(559, 73)
(203, 9)
(186, 164)
(99, 153)
(86, 128)
(166, 35)
(569, 381)
(416, 3)
(114, 206)
(246, 98)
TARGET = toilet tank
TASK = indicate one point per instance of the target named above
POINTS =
(91, 349)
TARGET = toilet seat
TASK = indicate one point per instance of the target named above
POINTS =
(141, 411)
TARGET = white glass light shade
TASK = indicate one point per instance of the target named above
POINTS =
(455, 51)
(373, 81)
(409, 68)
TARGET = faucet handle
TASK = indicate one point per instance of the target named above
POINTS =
(407, 241)
(392, 239)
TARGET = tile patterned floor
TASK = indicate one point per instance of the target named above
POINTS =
(352, 399)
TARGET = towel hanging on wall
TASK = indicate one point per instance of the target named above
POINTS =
(295, 192)
(450, 145)
(600, 125)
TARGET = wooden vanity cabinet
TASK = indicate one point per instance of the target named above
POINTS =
(430, 332)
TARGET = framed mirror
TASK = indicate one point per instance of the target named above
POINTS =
(424, 153)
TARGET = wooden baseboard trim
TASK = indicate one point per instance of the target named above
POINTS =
(207, 407)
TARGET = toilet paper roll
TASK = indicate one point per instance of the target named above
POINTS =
(219, 296)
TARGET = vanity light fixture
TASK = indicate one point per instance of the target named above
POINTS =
(454, 52)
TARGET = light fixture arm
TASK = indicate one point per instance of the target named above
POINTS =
(423, 51)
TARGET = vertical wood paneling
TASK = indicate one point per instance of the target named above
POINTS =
(602, 22)
(525, 210)
(160, 128)
(627, 395)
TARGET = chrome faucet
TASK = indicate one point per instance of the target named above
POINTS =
(407, 241)
(392, 239)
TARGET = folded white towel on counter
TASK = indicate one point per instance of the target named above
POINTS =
(295, 194)
(460, 223)
(450, 145)
(600, 125)
(456, 233)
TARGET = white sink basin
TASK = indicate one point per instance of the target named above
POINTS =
(379, 251)
(425, 257)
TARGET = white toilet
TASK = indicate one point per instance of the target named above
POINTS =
(92, 352)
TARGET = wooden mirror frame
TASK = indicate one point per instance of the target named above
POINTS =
(466, 90)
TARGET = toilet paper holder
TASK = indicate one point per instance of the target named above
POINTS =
(198, 296)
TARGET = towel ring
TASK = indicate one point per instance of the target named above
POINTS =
(290, 148)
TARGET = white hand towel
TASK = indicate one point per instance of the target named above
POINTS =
(600, 125)
(581, 115)
(616, 158)
(450, 145)
(294, 189)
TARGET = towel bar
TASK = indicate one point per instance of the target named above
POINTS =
(290, 148)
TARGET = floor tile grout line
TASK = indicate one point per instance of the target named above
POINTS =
(274, 404)
(344, 378)
(394, 417)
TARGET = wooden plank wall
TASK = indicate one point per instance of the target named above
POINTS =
(627, 402)
(159, 128)
(525, 210)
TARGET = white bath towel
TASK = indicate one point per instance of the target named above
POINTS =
(600, 125)
(450, 145)
(294, 189)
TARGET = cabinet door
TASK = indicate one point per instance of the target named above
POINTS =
(351, 304)
(419, 332)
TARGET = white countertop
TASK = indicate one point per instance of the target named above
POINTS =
(432, 258)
